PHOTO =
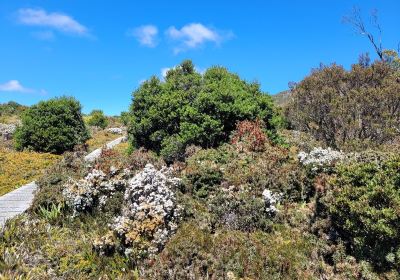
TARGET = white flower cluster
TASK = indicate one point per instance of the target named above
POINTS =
(7, 130)
(320, 157)
(115, 130)
(151, 210)
(94, 189)
(271, 200)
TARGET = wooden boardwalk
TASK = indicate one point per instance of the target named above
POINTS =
(19, 200)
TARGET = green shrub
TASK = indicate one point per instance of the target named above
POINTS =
(53, 126)
(274, 168)
(365, 211)
(194, 253)
(97, 118)
(190, 108)
(202, 178)
(241, 211)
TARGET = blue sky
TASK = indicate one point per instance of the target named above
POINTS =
(100, 51)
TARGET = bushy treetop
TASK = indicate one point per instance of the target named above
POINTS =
(97, 118)
(190, 108)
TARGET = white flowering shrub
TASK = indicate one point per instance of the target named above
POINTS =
(150, 213)
(95, 189)
(320, 159)
(271, 201)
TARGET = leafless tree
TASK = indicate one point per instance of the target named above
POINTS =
(355, 19)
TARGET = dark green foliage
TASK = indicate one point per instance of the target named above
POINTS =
(190, 108)
(53, 126)
(203, 178)
(97, 118)
(365, 210)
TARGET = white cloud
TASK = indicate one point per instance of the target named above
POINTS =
(164, 71)
(194, 35)
(146, 35)
(57, 21)
(15, 86)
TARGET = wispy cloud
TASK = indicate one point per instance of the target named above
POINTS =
(57, 21)
(16, 86)
(194, 35)
(146, 35)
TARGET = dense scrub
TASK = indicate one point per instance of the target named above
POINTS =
(193, 109)
(245, 213)
(53, 126)
(363, 205)
(231, 203)
(348, 109)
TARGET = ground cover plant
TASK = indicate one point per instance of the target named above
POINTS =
(20, 168)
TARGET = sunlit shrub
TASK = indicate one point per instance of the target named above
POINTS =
(53, 126)
(364, 208)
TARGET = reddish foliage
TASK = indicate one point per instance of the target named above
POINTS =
(108, 158)
(250, 134)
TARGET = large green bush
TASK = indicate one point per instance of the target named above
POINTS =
(53, 126)
(365, 211)
(97, 118)
(190, 108)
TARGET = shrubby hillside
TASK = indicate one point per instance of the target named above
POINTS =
(212, 187)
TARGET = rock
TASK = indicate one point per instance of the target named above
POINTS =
(115, 130)
(7, 130)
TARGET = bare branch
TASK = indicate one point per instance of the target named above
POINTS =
(356, 21)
